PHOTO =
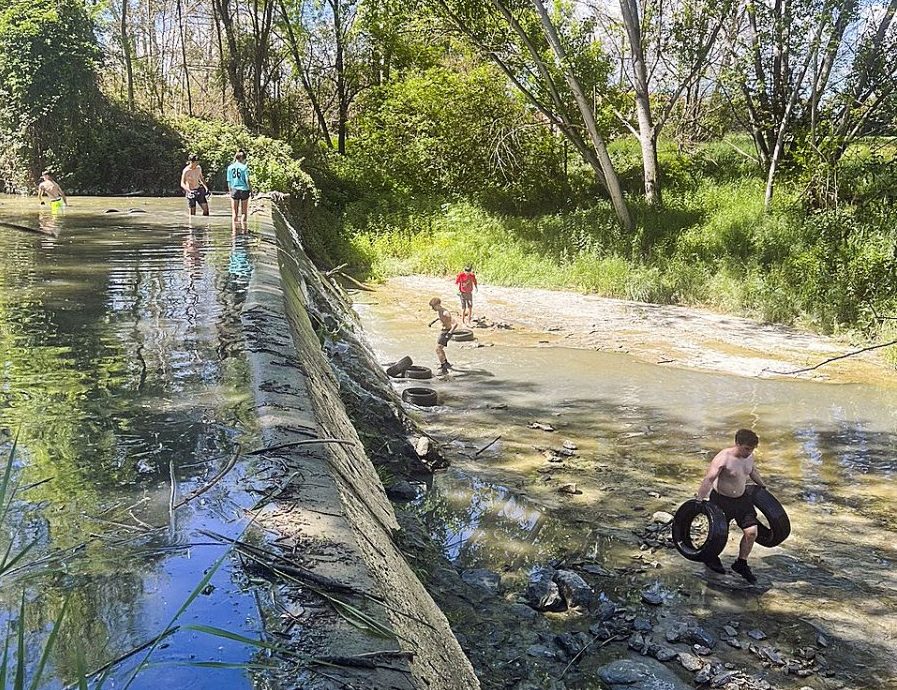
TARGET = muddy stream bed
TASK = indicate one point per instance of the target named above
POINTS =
(826, 600)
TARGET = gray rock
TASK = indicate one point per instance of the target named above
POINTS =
(572, 643)
(482, 578)
(690, 662)
(733, 642)
(636, 643)
(698, 635)
(595, 569)
(703, 676)
(605, 610)
(523, 611)
(663, 653)
(642, 624)
(542, 592)
(757, 634)
(701, 650)
(730, 631)
(640, 674)
(676, 632)
(662, 517)
(540, 650)
(401, 491)
(653, 595)
(574, 589)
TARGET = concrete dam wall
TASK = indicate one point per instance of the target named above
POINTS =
(346, 598)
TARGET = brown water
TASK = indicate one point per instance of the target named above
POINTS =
(123, 377)
(644, 434)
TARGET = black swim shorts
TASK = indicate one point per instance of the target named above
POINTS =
(443, 338)
(239, 194)
(196, 196)
(466, 299)
(740, 509)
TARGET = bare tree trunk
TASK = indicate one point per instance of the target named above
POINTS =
(612, 182)
(126, 51)
(303, 75)
(342, 100)
(232, 62)
(183, 35)
(647, 135)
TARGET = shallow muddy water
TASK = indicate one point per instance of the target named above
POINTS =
(124, 379)
(643, 435)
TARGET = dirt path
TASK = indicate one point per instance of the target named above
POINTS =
(661, 334)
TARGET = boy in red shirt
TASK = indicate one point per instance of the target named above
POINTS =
(466, 282)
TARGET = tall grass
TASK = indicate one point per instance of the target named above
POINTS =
(711, 245)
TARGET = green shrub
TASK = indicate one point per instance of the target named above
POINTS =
(271, 161)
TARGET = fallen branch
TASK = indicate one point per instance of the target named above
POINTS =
(337, 269)
(833, 359)
(293, 444)
(119, 659)
(583, 651)
(356, 283)
(487, 446)
(217, 478)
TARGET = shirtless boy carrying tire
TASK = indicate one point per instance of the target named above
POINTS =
(724, 485)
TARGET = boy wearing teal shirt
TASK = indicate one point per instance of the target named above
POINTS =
(238, 185)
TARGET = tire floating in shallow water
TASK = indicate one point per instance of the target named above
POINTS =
(718, 531)
(779, 524)
(462, 335)
(416, 372)
(422, 397)
(397, 369)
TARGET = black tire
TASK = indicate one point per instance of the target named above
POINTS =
(717, 536)
(416, 372)
(399, 367)
(462, 335)
(776, 517)
(422, 397)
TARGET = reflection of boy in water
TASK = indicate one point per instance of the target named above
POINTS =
(238, 265)
(448, 327)
(724, 485)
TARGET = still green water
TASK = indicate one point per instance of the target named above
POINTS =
(124, 379)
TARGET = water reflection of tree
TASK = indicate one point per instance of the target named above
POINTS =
(481, 525)
(107, 380)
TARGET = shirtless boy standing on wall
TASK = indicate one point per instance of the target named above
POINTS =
(724, 485)
(48, 187)
(448, 327)
(194, 186)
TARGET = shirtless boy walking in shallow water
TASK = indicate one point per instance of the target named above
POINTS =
(724, 485)
(448, 327)
(194, 186)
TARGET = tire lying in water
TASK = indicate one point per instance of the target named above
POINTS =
(416, 372)
(397, 369)
(422, 397)
(779, 524)
(717, 536)
(462, 335)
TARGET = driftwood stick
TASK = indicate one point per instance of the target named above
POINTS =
(217, 478)
(336, 269)
(293, 444)
(583, 651)
(356, 283)
(117, 660)
(834, 359)
(488, 445)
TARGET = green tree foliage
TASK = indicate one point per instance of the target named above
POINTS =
(450, 132)
(48, 85)
(272, 164)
